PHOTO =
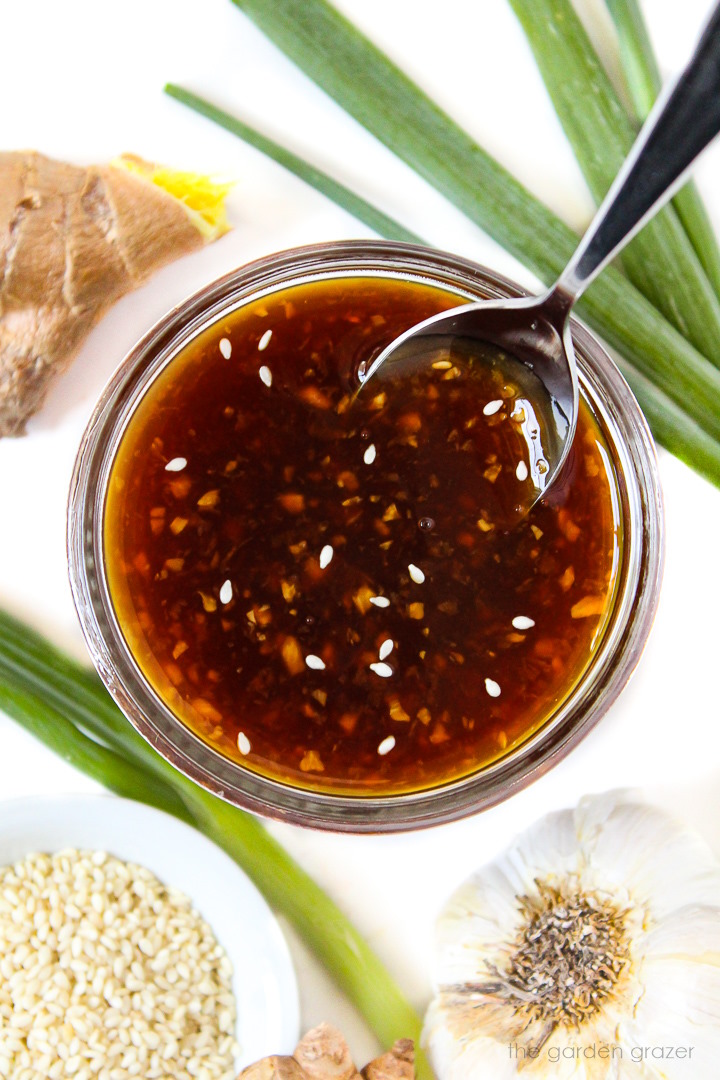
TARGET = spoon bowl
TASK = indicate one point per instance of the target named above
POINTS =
(529, 339)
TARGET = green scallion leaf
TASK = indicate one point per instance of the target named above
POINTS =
(673, 428)
(643, 80)
(640, 69)
(361, 209)
(106, 766)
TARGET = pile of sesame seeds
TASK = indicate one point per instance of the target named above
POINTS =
(106, 974)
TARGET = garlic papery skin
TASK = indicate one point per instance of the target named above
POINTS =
(589, 950)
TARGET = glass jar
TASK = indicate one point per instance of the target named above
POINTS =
(624, 634)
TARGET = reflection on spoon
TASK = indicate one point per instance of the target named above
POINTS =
(492, 416)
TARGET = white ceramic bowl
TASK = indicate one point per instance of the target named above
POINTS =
(263, 980)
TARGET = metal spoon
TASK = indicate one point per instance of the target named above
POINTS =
(535, 331)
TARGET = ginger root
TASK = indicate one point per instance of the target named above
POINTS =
(323, 1054)
(397, 1064)
(72, 241)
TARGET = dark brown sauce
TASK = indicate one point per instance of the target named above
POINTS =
(319, 588)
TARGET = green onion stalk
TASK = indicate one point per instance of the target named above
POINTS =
(643, 80)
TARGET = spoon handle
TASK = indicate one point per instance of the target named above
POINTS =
(684, 120)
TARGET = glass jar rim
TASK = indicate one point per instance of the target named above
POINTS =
(623, 640)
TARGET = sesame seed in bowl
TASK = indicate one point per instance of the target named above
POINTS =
(131, 946)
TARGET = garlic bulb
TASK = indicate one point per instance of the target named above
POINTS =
(590, 949)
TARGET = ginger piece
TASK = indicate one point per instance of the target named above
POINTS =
(397, 1064)
(73, 241)
(274, 1068)
(323, 1054)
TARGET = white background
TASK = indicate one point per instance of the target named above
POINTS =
(82, 80)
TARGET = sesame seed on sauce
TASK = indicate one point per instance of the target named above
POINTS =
(264, 341)
(386, 745)
(326, 556)
(492, 688)
(225, 347)
(176, 465)
(416, 574)
(380, 601)
(522, 471)
(315, 662)
(386, 648)
(226, 592)
(370, 454)
(522, 622)
(383, 670)
(243, 743)
(492, 407)
(266, 375)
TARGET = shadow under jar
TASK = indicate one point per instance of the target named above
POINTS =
(304, 602)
